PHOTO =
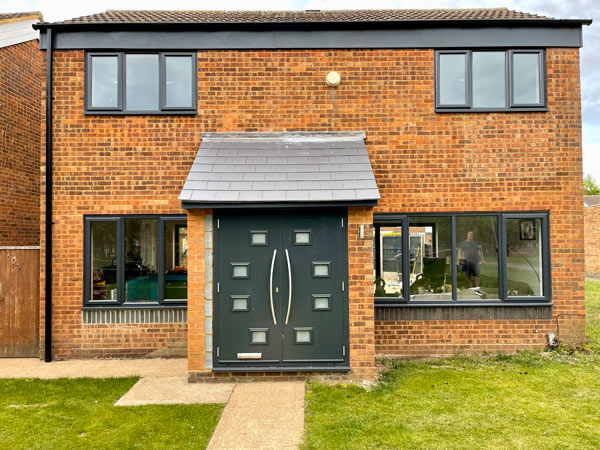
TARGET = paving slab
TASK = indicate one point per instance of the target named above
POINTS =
(174, 390)
(262, 415)
(93, 368)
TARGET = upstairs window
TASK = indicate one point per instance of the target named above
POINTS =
(141, 83)
(506, 80)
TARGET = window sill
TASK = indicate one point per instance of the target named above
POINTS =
(400, 304)
(178, 112)
(133, 306)
(490, 110)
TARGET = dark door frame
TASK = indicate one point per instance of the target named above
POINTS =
(255, 366)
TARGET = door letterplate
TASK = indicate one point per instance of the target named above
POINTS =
(249, 355)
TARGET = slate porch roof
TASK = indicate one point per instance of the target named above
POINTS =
(280, 167)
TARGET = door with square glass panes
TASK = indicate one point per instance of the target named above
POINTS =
(280, 289)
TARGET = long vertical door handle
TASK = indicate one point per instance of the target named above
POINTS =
(287, 256)
(271, 286)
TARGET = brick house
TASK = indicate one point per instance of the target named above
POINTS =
(591, 222)
(21, 77)
(296, 192)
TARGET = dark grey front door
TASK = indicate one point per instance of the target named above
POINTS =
(280, 299)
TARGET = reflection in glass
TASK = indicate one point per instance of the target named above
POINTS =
(179, 81)
(103, 244)
(489, 77)
(524, 257)
(430, 258)
(526, 78)
(176, 246)
(452, 79)
(388, 276)
(141, 82)
(477, 257)
(105, 81)
(141, 260)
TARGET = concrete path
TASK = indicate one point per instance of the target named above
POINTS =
(93, 368)
(258, 415)
(174, 390)
(262, 415)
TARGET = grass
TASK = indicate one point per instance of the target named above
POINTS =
(592, 311)
(529, 400)
(79, 414)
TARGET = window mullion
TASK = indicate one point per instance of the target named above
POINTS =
(406, 258)
(162, 81)
(453, 257)
(502, 259)
(161, 260)
(121, 260)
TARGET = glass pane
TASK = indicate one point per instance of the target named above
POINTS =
(302, 335)
(259, 238)
(176, 253)
(240, 271)
(477, 256)
(452, 83)
(105, 81)
(141, 260)
(321, 270)
(489, 79)
(321, 302)
(526, 78)
(240, 304)
(302, 237)
(259, 337)
(430, 258)
(179, 81)
(141, 82)
(524, 257)
(103, 245)
(388, 270)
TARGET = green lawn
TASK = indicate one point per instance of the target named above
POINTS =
(592, 311)
(526, 401)
(79, 414)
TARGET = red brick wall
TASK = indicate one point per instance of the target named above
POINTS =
(21, 72)
(591, 222)
(423, 161)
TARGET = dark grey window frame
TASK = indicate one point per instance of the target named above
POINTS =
(120, 302)
(380, 220)
(122, 108)
(509, 82)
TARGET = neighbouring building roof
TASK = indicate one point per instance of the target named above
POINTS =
(280, 167)
(591, 200)
(20, 16)
(308, 16)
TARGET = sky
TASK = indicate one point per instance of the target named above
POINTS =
(54, 10)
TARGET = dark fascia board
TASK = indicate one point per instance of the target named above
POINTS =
(313, 25)
(275, 205)
(427, 35)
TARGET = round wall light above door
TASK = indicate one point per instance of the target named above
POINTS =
(333, 78)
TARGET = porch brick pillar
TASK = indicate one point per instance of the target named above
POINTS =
(200, 290)
(360, 294)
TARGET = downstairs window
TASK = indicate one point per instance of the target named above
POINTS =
(461, 258)
(135, 260)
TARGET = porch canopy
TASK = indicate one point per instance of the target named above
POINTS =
(244, 170)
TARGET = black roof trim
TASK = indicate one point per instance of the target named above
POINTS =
(478, 23)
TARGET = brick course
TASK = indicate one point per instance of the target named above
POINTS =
(423, 162)
(21, 74)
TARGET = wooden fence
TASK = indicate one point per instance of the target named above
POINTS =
(19, 301)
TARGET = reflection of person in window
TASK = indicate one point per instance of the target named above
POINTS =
(470, 256)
